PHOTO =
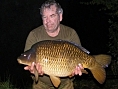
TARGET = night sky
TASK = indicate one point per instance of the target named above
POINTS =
(19, 17)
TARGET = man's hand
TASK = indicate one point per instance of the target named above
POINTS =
(31, 68)
(77, 70)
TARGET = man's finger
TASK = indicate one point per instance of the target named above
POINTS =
(79, 71)
(76, 70)
(26, 68)
(39, 68)
(32, 66)
(80, 66)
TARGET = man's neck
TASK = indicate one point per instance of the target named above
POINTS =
(54, 34)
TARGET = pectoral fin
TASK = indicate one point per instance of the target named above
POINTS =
(36, 74)
(55, 80)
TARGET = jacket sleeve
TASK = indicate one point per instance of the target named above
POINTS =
(31, 39)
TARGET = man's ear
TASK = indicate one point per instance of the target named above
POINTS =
(61, 16)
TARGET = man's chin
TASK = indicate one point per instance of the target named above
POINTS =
(50, 30)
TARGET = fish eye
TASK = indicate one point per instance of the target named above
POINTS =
(25, 55)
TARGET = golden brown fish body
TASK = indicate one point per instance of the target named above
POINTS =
(59, 59)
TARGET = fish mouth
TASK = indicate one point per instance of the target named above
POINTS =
(23, 62)
(19, 61)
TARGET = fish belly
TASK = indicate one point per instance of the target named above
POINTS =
(56, 66)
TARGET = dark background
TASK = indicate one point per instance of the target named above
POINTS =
(19, 17)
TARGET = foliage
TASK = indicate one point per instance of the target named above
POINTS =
(89, 83)
(110, 7)
(6, 85)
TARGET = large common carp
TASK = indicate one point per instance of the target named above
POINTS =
(59, 58)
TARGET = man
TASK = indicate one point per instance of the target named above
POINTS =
(51, 29)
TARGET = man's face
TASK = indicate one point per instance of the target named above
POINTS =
(51, 19)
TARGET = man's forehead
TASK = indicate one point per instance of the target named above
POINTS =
(51, 8)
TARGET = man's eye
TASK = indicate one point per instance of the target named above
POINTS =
(43, 17)
(53, 15)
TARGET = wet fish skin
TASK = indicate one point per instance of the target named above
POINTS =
(59, 59)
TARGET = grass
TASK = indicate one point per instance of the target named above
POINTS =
(6, 85)
(92, 84)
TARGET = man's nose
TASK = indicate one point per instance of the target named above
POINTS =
(47, 19)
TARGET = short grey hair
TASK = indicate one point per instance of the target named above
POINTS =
(48, 4)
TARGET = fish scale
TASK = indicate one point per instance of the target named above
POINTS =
(62, 56)
(51, 66)
(59, 58)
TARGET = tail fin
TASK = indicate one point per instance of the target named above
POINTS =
(98, 73)
(98, 70)
(103, 60)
